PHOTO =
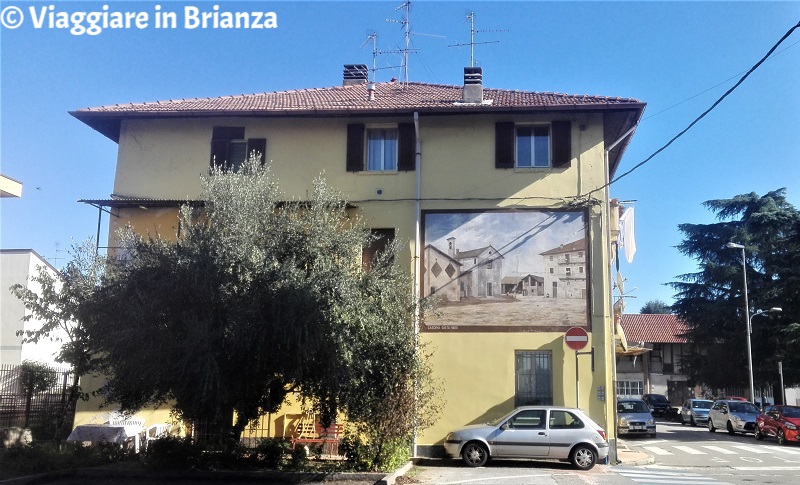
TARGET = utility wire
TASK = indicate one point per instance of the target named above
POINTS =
(696, 120)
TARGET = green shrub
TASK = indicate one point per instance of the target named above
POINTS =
(271, 451)
(40, 457)
(172, 452)
(299, 458)
(363, 455)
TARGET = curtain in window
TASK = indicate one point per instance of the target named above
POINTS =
(382, 149)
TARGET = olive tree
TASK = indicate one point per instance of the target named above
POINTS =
(258, 297)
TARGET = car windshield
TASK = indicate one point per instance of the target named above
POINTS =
(499, 421)
(658, 398)
(743, 407)
(791, 412)
(702, 404)
(632, 407)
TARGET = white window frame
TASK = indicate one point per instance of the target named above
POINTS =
(533, 161)
(382, 163)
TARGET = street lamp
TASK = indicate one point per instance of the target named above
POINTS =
(733, 245)
(774, 309)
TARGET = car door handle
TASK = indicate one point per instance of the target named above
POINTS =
(542, 433)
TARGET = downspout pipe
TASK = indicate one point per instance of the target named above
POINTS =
(417, 251)
(612, 393)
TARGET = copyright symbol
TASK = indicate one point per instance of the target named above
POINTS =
(11, 17)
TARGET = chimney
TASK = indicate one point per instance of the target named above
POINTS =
(355, 74)
(473, 85)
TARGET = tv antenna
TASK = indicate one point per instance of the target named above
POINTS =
(405, 21)
(373, 37)
(471, 18)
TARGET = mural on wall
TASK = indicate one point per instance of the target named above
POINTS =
(512, 271)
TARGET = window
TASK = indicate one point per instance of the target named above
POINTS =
(380, 148)
(564, 420)
(230, 148)
(380, 240)
(568, 272)
(529, 419)
(533, 145)
(630, 388)
(534, 378)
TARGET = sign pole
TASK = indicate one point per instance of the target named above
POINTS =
(577, 383)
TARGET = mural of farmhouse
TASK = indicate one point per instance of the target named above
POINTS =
(505, 270)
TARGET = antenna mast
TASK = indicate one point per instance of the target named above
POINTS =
(406, 23)
(472, 43)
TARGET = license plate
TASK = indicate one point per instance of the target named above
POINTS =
(637, 428)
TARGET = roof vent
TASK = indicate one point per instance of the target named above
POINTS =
(355, 74)
(473, 85)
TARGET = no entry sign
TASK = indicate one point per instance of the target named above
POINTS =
(576, 338)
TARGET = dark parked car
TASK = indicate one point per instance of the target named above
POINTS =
(659, 405)
(781, 422)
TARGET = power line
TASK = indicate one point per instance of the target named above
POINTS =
(696, 120)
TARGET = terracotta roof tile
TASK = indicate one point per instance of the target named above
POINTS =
(653, 328)
(388, 96)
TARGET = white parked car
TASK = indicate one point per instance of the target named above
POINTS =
(567, 434)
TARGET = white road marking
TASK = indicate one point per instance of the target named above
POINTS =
(656, 450)
(690, 450)
(720, 449)
(752, 449)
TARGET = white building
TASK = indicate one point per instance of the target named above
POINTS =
(18, 266)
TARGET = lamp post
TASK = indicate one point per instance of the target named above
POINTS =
(749, 331)
(733, 245)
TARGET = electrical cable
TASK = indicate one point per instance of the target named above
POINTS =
(696, 120)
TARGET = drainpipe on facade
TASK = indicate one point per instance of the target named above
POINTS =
(612, 393)
(417, 255)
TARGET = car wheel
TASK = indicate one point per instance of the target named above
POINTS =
(757, 434)
(692, 421)
(711, 425)
(730, 429)
(781, 437)
(475, 454)
(583, 457)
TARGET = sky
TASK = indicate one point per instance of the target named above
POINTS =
(678, 57)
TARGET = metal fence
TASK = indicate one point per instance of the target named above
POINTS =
(45, 411)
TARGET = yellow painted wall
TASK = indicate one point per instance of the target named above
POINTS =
(165, 159)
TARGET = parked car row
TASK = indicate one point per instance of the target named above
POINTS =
(775, 421)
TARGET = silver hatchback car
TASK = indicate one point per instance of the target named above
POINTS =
(566, 434)
(733, 416)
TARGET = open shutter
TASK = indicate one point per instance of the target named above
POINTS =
(219, 152)
(220, 138)
(406, 146)
(504, 144)
(562, 143)
(258, 145)
(355, 147)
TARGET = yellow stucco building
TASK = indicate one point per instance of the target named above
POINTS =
(498, 195)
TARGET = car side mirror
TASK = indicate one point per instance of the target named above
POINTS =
(504, 426)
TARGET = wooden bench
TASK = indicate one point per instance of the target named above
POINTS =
(314, 433)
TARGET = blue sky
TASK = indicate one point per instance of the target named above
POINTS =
(679, 57)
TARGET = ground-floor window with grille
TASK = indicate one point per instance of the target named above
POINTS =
(627, 389)
(534, 377)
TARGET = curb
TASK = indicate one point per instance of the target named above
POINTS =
(391, 478)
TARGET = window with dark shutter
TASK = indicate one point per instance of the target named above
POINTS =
(229, 148)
